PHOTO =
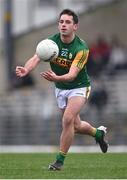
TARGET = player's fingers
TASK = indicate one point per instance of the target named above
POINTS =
(43, 73)
(19, 67)
(17, 71)
(46, 77)
(50, 71)
(47, 74)
(18, 75)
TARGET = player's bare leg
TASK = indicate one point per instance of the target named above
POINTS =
(73, 124)
(83, 127)
(72, 110)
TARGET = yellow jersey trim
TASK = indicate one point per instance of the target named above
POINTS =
(81, 59)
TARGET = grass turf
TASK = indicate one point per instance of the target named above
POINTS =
(77, 166)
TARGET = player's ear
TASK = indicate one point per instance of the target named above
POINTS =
(76, 26)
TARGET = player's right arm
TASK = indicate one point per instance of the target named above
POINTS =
(22, 71)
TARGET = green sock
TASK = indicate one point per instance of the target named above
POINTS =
(98, 134)
(60, 157)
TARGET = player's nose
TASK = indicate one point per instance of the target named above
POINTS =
(64, 24)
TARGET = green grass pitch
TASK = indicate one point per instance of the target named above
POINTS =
(77, 166)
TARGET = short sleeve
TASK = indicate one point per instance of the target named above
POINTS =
(81, 58)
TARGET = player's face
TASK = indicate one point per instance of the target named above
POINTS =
(66, 25)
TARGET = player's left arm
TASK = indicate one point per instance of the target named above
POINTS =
(78, 63)
(70, 76)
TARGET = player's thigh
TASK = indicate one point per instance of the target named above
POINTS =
(74, 106)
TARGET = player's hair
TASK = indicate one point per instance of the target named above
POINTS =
(70, 13)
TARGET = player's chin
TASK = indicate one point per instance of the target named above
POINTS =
(64, 33)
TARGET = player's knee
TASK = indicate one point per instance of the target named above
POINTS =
(68, 119)
(76, 127)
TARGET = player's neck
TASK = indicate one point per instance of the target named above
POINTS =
(67, 39)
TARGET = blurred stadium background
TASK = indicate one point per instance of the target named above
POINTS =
(29, 117)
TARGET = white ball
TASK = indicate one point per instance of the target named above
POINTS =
(47, 50)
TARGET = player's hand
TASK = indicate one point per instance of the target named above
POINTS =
(21, 71)
(49, 75)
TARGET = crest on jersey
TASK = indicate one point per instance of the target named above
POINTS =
(70, 56)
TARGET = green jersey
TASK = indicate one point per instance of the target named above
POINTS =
(75, 53)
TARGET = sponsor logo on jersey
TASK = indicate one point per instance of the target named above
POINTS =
(62, 62)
